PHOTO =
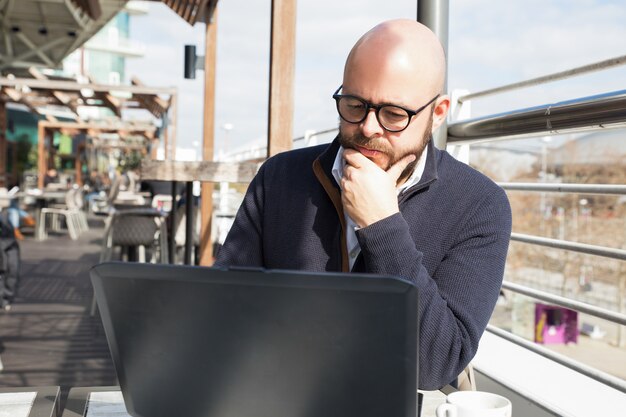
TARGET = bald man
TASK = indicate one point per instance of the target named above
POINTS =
(382, 199)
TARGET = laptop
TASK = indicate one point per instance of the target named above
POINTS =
(207, 342)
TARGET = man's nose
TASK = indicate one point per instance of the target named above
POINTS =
(370, 125)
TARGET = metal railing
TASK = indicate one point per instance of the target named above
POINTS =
(565, 188)
(590, 113)
(316, 133)
(596, 66)
(602, 313)
(612, 253)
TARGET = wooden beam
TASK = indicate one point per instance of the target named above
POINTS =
(74, 86)
(78, 170)
(170, 151)
(189, 10)
(61, 97)
(90, 7)
(202, 11)
(18, 97)
(282, 63)
(96, 126)
(208, 140)
(156, 103)
(74, 11)
(166, 135)
(111, 103)
(154, 146)
(41, 154)
(44, 126)
(204, 171)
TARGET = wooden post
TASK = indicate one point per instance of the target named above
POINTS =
(171, 126)
(154, 144)
(41, 154)
(210, 63)
(166, 137)
(4, 181)
(78, 165)
(282, 63)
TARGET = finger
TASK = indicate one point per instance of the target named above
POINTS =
(396, 169)
(354, 158)
(348, 171)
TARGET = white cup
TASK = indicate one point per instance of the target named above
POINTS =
(474, 404)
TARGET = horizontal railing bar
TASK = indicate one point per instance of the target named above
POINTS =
(581, 307)
(596, 66)
(317, 133)
(565, 188)
(592, 373)
(571, 246)
(600, 111)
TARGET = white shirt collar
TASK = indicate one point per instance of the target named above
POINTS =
(415, 177)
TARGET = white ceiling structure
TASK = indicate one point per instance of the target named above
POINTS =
(43, 32)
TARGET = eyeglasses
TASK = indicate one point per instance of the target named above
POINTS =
(392, 118)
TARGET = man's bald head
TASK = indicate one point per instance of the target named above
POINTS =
(399, 66)
(400, 45)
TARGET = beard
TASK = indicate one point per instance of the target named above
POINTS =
(383, 146)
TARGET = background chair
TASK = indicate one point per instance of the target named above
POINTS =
(71, 212)
(133, 231)
(102, 204)
(180, 236)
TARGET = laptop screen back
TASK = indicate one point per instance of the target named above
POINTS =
(200, 342)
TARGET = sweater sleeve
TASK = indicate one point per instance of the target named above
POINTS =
(455, 304)
(244, 244)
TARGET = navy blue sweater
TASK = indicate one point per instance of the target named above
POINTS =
(450, 238)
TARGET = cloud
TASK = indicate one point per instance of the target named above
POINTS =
(496, 43)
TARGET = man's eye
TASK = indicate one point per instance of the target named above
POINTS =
(395, 114)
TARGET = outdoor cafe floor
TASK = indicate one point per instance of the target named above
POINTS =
(48, 337)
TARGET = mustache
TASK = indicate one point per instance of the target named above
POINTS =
(370, 143)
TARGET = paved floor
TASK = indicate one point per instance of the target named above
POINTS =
(48, 337)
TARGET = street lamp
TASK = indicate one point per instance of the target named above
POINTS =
(197, 150)
(227, 128)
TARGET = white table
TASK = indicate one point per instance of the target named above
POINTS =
(29, 402)
(108, 402)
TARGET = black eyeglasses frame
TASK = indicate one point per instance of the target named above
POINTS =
(377, 108)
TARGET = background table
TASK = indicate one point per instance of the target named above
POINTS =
(79, 403)
(45, 403)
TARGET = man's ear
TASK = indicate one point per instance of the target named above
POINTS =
(442, 105)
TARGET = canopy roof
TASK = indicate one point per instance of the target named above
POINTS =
(43, 32)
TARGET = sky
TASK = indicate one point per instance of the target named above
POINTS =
(491, 43)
